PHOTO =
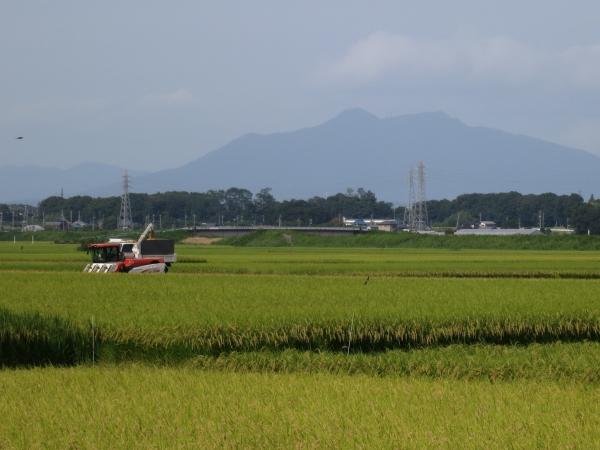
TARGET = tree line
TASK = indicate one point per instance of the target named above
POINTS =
(236, 206)
(508, 210)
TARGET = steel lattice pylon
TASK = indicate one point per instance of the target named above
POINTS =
(421, 219)
(409, 214)
(416, 217)
(125, 222)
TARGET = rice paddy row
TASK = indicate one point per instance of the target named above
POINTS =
(147, 407)
(332, 261)
(181, 301)
(566, 362)
(180, 317)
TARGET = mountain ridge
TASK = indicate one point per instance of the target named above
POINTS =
(358, 149)
(375, 144)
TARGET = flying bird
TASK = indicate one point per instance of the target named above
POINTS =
(20, 137)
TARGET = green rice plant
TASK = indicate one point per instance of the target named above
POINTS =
(221, 313)
(183, 301)
(559, 361)
(344, 336)
(385, 261)
(136, 406)
(194, 259)
(34, 339)
(180, 316)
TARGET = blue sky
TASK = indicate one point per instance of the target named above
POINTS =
(155, 84)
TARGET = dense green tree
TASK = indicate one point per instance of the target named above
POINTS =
(509, 209)
(238, 206)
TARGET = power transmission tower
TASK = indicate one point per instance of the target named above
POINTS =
(125, 222)
(409, 212)
(415, 214)
(421, 219)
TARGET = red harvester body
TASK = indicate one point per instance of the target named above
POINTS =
(145, 255)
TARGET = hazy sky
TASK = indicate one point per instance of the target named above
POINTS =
(155, 84)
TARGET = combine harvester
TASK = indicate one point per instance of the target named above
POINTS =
(146, 255)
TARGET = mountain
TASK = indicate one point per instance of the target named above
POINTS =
(358, 149)
(30, 184)
(354, 149)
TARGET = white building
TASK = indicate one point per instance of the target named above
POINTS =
(498, 232)
(487, 225)
(33, 228)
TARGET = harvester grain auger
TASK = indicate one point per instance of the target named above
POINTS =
(147, 254)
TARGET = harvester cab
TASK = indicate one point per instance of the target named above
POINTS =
(144, 255)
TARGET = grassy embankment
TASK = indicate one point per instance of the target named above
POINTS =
(79, 236)
(373, 239)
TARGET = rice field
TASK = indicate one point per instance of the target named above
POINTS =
(559, 361)
(219, 259)
(301, 347)
(164, 407)
(187, 315)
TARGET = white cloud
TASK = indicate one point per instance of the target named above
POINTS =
(177, 97)
(381, 53)
(500, 59)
